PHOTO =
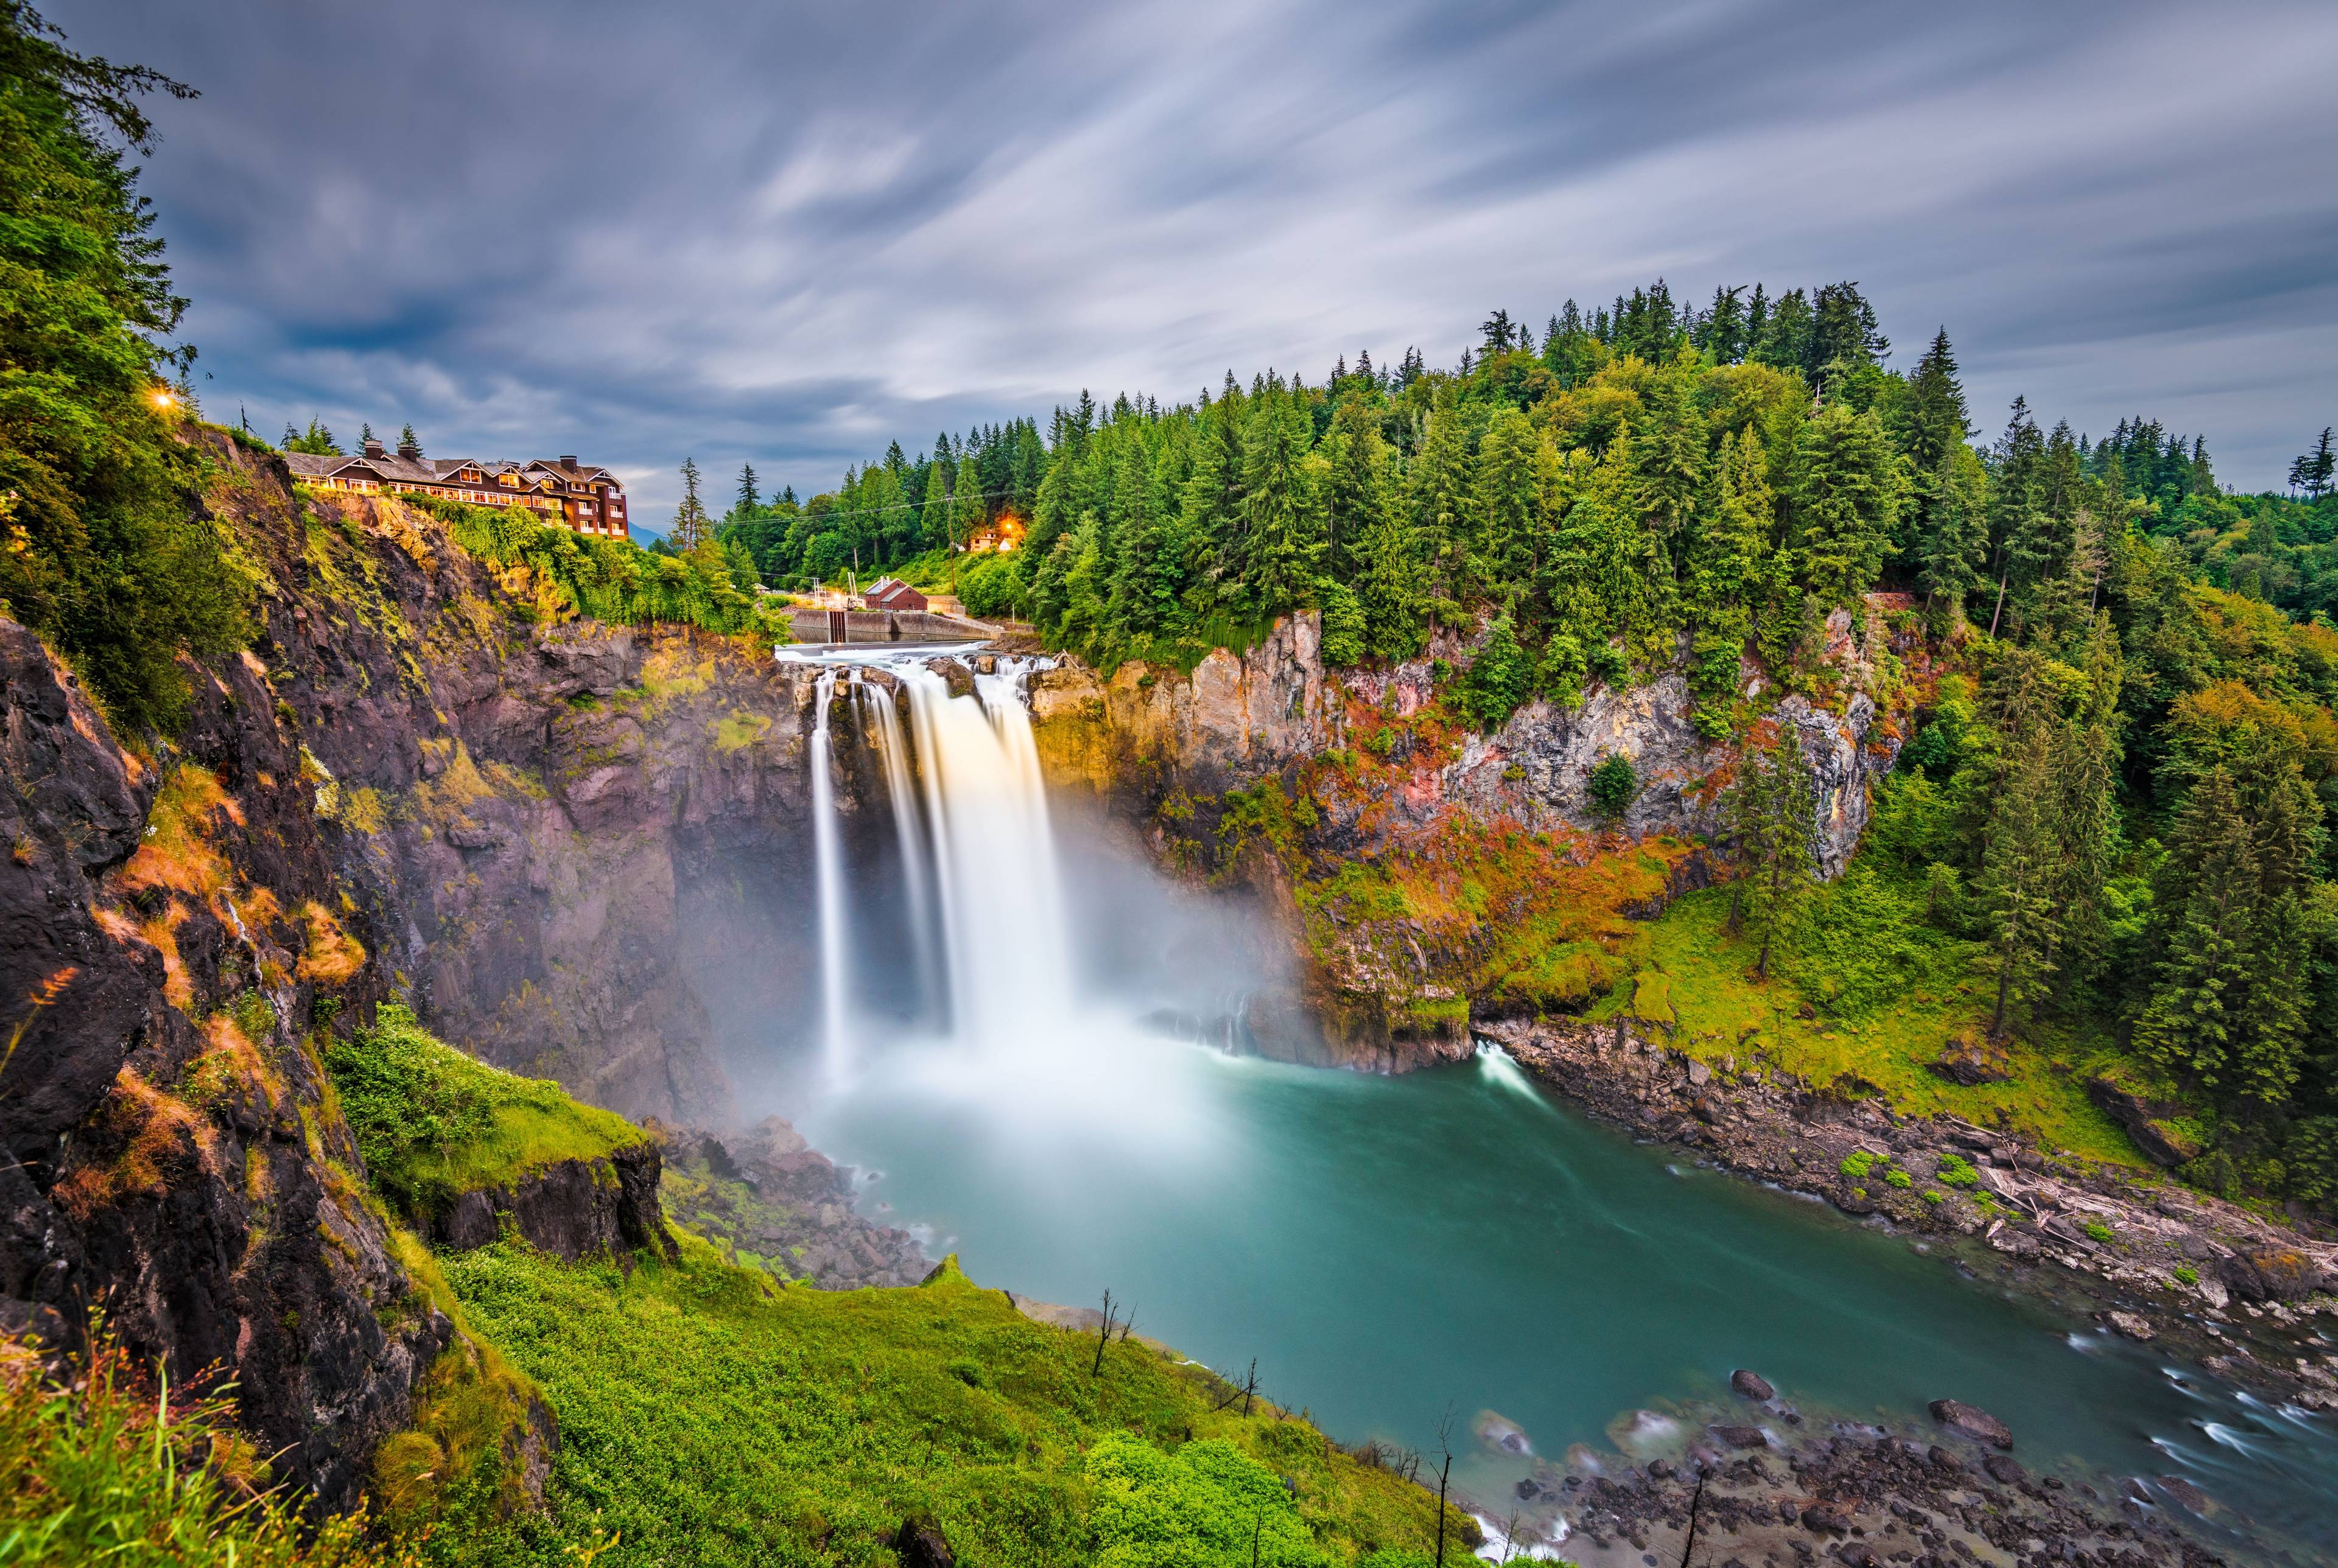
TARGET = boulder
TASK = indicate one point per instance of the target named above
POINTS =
(2133, 1325)
(1741, 1437)
(1971, 1421)
(2003, 1470)
(1970, 1057)
(920, 1543)
(1752, 1385)
(955, 675)
(1826, 1519)
(2270, 1273)
(2152, 1122)
(2186, 1493)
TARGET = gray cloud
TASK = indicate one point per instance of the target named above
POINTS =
(791, 233)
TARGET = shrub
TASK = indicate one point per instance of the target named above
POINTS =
(1956, 1171)
(1900, 1178)
(1613, 783)
(2097, 1230)
(2187, 1275)
(1857, 1165)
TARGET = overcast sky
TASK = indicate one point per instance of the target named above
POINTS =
(793, 232)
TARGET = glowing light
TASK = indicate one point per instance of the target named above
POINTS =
(164, 399)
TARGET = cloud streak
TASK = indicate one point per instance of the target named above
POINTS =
(792, 233)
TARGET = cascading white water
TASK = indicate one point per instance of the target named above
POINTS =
(1002, 979)
(828, 860)
(1001, 905)
(900, 784)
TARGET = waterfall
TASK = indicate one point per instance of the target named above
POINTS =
(828, 857)
(1000, 904)
(973, 813)
(893, 741)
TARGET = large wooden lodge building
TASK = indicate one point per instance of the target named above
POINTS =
(577, 495)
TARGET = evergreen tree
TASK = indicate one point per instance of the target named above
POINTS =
(2015, 514)
(750, 499)
(1772, 816)
(1283, 522)
(408, 443)
(1847, 494)
(1506, 506)
(1728, 575)
(1357, 459)
(1391, 587)
(2312, 473)
(689, 522)
(1441, 483)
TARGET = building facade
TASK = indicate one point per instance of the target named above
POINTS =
(560, 490)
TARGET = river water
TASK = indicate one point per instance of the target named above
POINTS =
(1389, 1249)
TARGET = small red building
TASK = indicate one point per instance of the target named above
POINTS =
(892, 594)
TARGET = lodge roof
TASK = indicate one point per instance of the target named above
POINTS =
(566, 474)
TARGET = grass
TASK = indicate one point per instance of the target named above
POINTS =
(433, 1124)
(1884, 991)
(107, 1465)
(709, 1414)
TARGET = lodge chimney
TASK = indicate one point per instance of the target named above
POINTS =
(373, 447)
(567, 461)
(409, 449)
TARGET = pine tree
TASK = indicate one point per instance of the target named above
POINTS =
(750, 499)
(934, 509)
(1728, 565)
(1954, 544)
(1356, 491)
(1440, 483)
(1391, 585)
(410, 445)
(690, 524)
(365, 436)
(2013, 499)
(1506, 504)
(2312, 473)
(1283, 520)
(1846, 495)
(1772, 816)
(2211, 881)
(968, 508)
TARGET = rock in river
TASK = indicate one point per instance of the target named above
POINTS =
(1972, 1421)
(1752, 1384)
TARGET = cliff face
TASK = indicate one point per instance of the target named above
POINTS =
(1427, 873)
(169, 929)
(1235, 720)
(557, 839)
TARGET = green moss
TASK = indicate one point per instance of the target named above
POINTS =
(2097, 1230)
(432, 1124)
(1857, 1165)
(1900, 1178)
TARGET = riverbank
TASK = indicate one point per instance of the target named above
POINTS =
(1761, 1484)
(2153, 1261)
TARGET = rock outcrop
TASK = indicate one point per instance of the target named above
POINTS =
(573, 1208)
(1237, 718)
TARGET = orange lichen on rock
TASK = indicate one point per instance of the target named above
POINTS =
(333, 955)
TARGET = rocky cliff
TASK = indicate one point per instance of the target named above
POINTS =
(559, 841)
(1427, 873)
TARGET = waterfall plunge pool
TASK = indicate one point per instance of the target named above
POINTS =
(1388, 1249)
